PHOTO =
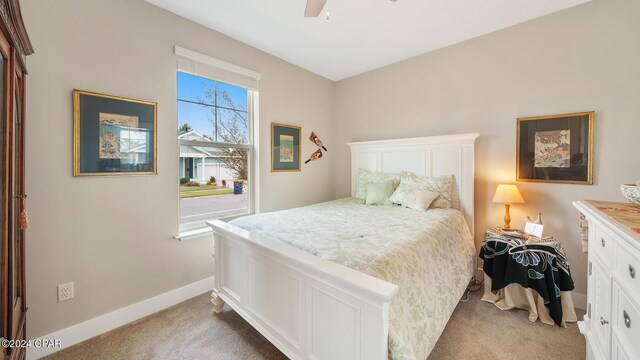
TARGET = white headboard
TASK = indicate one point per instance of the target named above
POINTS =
(425, 156)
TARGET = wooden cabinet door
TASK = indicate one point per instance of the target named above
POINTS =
(16, 203)
(14, 46)
(5, 126)
(12, 183)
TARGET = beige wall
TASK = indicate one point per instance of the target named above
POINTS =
(581, 59)
(112, 236)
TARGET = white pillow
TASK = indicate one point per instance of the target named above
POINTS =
(378, 193)
(419, 199)
(441, 185)
(368, 177)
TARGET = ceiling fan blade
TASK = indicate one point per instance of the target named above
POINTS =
(314, 7)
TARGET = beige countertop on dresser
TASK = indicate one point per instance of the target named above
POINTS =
(624, 218)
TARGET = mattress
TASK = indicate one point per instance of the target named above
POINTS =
(429, 255)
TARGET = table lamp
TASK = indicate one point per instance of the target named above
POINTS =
(507, 195)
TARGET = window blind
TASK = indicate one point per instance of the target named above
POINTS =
(203, 65)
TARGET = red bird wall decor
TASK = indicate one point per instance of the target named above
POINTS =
(315, 156)
(316, 140)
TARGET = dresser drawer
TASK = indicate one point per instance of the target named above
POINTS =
(604, 243)
(626, 322)
(628, 270)
(618, 352)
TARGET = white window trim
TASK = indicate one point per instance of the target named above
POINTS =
(200, 229)
(211, 61)
(186, 235)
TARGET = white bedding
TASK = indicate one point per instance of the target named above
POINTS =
(429, 255)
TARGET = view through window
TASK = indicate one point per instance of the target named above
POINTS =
(214, 134)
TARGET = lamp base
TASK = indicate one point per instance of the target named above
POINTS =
(507, 218)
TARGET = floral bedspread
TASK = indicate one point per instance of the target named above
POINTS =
(429, 255)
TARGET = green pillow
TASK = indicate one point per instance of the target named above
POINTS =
(378, 193)
(367, 177)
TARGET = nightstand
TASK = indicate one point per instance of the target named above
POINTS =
(528, 273)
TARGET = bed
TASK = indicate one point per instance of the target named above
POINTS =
(342, 280)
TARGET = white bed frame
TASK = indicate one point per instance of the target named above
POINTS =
(311, 308)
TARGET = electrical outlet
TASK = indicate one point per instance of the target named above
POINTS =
(65, 291)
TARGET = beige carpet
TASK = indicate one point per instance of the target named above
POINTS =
(477, 330)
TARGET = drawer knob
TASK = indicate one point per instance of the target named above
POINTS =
(632, 272)
(627, 319)
(603, 321)
(602, 241)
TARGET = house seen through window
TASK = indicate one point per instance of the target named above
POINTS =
(214, 134)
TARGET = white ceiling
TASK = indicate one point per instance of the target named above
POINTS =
(361, 35)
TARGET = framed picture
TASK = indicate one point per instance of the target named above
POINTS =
(285, 147)
(113, 135)
(556, 148)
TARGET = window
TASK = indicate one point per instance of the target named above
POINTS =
(215, 123)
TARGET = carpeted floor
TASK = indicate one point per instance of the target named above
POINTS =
(477, 330)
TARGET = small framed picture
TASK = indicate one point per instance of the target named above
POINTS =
(113, 135)
(285, 147)
(556, 148)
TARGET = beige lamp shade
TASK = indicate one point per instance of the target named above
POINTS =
(507, 194)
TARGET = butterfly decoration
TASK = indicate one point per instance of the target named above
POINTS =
(315, 156)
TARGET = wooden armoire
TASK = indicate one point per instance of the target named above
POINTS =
(14, 47)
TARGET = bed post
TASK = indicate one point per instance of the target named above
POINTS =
(217, 302)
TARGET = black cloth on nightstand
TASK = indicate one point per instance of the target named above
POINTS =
(537, 265)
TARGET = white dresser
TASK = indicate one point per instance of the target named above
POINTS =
(612, 323)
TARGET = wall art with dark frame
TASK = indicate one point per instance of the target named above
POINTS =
(285, 147)
(555, 148)
(113, 135)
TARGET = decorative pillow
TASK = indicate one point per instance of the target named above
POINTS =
(419, 199)
(401, 193)
(367, 177)
(441, 185)
(378, 193)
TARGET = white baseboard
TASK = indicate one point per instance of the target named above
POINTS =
(579, 300)
(103, 323)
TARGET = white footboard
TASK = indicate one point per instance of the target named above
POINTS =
(308, 307)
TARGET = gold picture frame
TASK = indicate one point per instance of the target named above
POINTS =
(555, 148)
(285, 147)
(99, 121)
